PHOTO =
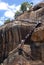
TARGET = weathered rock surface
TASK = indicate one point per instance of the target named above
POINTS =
(11, 34)
(37, 13)
(38, 34)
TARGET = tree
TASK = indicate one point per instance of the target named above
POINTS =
(24, 6)
(17, 14)
(7, 21)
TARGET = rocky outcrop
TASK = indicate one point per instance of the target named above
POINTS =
(34, 14)
(38, 34)
(11, 34)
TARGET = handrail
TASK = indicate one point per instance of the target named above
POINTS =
(22, 42)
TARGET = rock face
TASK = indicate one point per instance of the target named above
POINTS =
(34, 14)
(38, 34)
(11, 34)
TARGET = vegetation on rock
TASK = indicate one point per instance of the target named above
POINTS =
(25, 6)
(7, 21)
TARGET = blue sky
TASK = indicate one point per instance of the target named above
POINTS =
(9, 7)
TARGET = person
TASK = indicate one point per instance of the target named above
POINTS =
(20, 49)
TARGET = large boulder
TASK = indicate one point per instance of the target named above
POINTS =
(38, 34)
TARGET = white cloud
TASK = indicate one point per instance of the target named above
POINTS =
(9, 11)
(36, 1)
(6, 6)
(2, 18)
(1, 22)
(18, 7)
(9, 14)
(3, 6)
(12, 6)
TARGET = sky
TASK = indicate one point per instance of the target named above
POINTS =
(9, 7)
